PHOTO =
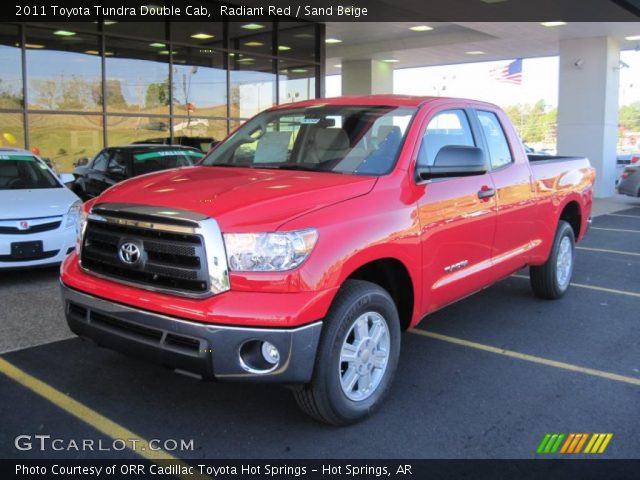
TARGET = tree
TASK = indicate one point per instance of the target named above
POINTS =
(45, 92)
(157, 94)
(75, 94)
(115, 97)
(629, 117)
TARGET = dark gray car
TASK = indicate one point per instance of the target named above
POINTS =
(629, 183)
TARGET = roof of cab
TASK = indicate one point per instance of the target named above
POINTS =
(386, 100)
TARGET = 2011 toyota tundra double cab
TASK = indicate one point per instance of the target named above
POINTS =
(301, 246)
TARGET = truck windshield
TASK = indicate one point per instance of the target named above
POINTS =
(22, 171)
(361, 140)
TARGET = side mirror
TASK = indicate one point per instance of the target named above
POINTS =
(82, 161)
(67, 178)
(455, 161)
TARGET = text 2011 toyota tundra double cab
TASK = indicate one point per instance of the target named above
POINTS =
(300, 247)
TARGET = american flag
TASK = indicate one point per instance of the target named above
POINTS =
(510, 73)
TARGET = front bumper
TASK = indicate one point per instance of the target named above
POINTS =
(211, 351)
(56, 245)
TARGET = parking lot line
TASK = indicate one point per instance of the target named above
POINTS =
(622, 215)
(526, 357)
(86, 414)
(614, 230)
(605, 250)
(592, 287)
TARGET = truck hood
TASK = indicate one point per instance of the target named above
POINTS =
(35, 203)
(240, 199)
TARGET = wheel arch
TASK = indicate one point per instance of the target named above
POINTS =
(571, 213)
(391, 274)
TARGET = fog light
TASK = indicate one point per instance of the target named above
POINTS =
(270, 353)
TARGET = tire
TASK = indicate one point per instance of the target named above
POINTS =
(358, 304)
(551, 280)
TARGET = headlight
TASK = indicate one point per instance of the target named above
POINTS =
(269, 252)
(80, 224)
(73, 214)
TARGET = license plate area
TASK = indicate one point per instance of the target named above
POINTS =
(26, 249)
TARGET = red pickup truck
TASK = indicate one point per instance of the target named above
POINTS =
(301, 246)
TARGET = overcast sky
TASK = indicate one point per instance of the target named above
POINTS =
(474, 80)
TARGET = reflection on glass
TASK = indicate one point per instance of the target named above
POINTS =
(64, 71)
(11, 130)
(255, 37)
(125, 130)
(203, 34)
(64, 139)
(199, 83)
(253, 85)
(10, 68)
(297, 40)
(150, 29)
(137, 76)
(297, 81)
(200, 131)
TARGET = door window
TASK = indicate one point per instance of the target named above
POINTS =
(449, 127)
(499, 151)
(100, 162)
(117, 164)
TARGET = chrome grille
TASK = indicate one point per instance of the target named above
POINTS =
(183, 255)
(42, 227)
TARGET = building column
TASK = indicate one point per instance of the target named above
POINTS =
(366, 77)
(588, 105)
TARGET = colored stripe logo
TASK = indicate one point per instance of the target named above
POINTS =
(574, 443)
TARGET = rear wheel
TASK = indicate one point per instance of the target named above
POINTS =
(357, 356)
(551, 280)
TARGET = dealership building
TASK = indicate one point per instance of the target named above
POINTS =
(68, 89)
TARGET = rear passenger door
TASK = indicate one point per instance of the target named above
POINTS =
(511, 175)
(457, 222)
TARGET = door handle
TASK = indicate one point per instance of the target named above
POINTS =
(485, 193)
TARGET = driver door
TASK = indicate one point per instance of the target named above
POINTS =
(457, 217)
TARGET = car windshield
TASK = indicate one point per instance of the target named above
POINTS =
(23, 171)
(361, 140)
(147, 162)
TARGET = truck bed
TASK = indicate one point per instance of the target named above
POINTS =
(537, 158)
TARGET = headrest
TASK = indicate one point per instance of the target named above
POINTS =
(331, 139)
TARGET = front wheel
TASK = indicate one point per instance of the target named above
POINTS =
(357, 356)
(551, 280)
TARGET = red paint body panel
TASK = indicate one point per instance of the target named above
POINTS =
(426, 226)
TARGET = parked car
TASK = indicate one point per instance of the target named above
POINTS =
(203, 144)
(622, 161)
(627, 158)
(115, 164)
(629, 183)
(39, 215)
(300, 247)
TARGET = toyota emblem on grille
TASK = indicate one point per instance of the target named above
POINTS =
(129, 253)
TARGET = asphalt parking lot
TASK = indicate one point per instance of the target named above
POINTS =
(491, 375)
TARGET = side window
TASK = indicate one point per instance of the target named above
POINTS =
(496, 140)
(449, 127)
(117, 164)
(100, 162)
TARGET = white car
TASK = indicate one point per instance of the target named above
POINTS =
(38, 214)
